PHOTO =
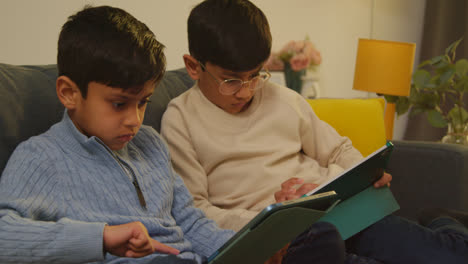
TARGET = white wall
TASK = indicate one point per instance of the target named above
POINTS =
(29, 30)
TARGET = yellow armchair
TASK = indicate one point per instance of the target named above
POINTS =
(361, 120)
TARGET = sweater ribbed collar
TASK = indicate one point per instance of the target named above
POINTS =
(77, 142)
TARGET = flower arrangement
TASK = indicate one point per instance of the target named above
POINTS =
(299, 55)
(294, 58)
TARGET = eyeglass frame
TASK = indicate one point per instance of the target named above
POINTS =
(234, 79)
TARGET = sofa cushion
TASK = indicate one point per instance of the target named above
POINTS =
(29, 104)
(173, 83)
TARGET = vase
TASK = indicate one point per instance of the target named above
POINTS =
(456, 134)
(293, 78)
(310, 85)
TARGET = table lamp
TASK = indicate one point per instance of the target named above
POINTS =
(385, 68)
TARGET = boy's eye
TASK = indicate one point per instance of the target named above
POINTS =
(144, 102)
(118, 104)
(232, 81)
(255, 75)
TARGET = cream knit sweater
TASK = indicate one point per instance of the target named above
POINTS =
(233, 164)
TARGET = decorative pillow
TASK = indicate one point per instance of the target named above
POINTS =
(361, 120)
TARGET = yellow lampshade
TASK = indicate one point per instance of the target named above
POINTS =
(384, 67)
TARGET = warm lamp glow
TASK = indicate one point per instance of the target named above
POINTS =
(384, 67)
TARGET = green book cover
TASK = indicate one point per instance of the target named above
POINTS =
(361, 210)
(273, 228)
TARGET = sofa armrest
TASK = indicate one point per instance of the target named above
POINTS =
(429, 174)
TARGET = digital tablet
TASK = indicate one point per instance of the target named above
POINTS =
(273, 228)
(358, 177)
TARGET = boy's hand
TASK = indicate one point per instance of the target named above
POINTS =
(278, 257)
(132, 240)
(384, 180)
(289, 191)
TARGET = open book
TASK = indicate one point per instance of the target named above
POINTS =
(361, 204)
(272, 228)
(358, 177)
(349, 201)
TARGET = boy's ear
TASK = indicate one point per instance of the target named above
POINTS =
(192, 66)
(67, 92)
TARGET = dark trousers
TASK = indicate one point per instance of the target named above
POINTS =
(320, 244)
(392, 240)
(395, 240)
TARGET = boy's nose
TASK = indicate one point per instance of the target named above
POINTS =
(245, 91)
(133, 117)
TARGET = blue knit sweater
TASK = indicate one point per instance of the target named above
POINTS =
(59, 189)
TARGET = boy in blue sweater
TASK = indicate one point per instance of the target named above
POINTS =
(98, 186)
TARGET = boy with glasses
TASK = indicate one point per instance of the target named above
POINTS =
(241, 143)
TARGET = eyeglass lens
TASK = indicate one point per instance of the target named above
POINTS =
(232, 86)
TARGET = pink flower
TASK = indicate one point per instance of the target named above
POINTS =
(313, 54)
(299, 62)
(299, 54)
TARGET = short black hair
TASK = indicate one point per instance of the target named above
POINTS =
(232, 34)
(108, 45)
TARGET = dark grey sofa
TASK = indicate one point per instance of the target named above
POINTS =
(425, 173)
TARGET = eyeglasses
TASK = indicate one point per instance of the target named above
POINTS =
(232, 86)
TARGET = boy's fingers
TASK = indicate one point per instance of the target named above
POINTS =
(283, 195)
(133, 254)
(291, 182)
(139, 241)
(288, 190)
(292, 197)
(162, 248)
(384, 180)
(139, 245)
(279, 197)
